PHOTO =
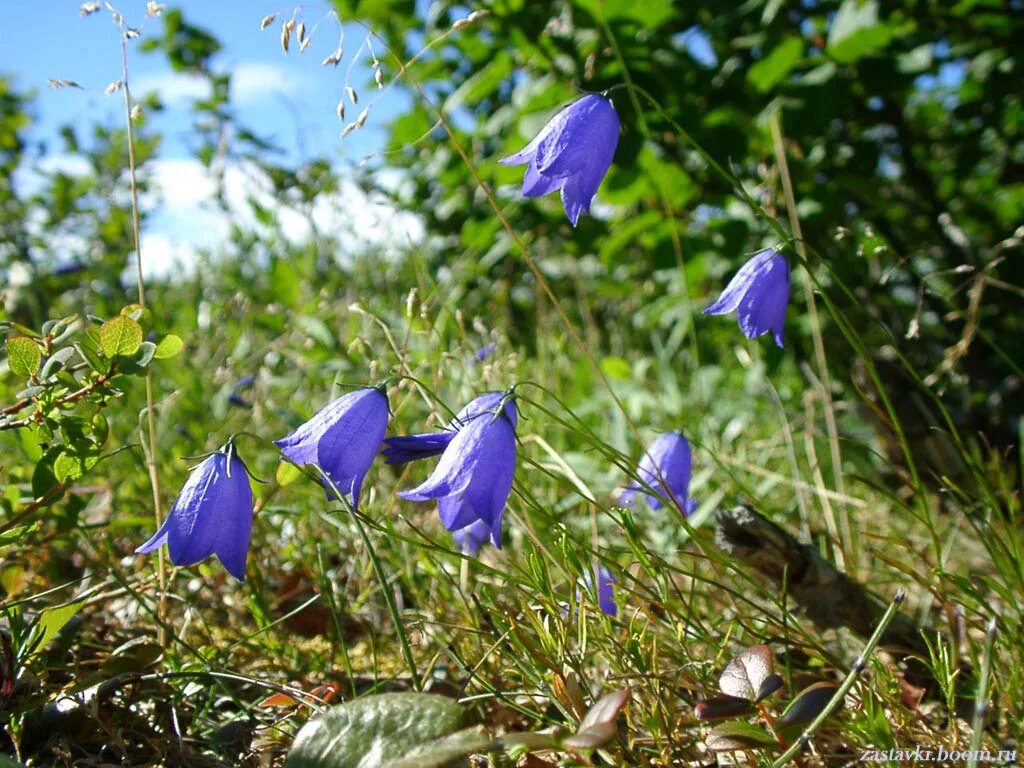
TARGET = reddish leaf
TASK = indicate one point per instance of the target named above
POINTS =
(723, 707)
(591, 737)
(606, 709)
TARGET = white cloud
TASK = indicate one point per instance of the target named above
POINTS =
(163, 255)
(185, 218)
(254, 81)
(172, 87)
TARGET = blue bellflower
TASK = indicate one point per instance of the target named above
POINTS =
(606, 591)
(473, 479)
(758, 293)
(342, 439)
(571, 153)
(666, 468)
(211, 516)
(405, 448)
(472, 537)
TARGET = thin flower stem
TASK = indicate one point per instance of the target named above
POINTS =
(378, 569)
(677, 246)
(525, 254)
(812, 314)
(981, 694)
(851, 678)
(151, 451)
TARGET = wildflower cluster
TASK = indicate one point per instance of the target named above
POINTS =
(473, 478)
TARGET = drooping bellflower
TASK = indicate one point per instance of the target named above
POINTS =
(666, 468)
(473, 479)
(606, 591)
(342, 439)
(571, 153)
(405, 448)
(472, 537)
(758, 293)
(211, 516)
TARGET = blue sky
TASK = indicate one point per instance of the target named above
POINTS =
(289, 98)
(282, 96)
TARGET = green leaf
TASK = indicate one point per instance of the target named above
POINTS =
(808, 704)
(287, 473)
(169, 346)
(738, 734)
(120, 336)
(284, 282)
(856, 31)
(43, 478)
(377, 730)
(139, 314)
(316, 329)
(51, 621)
(916, 61)
(89, 353)
(773, 68)
(70, 466)
(447, 751)
(616, 368)
(56, 362)
(649, 13)
(23, 356)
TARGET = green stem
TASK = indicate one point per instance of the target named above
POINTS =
(851, 678)
(151, 450)
(981, 694)
(378, 569)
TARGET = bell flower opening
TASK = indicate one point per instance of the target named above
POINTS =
(473, 479)
(665, 468)
(758, 293)
(572, 153)
(342, 439)
(405, 448)
(211, 516)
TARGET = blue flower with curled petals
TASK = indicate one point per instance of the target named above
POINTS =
(666, 468)
(342, 439)
(758, 293)
(572, 153)
(211, 516)
(473, 479)
(405, 448)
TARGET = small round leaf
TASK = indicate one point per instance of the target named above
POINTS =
(169, 346)
(120, 336)
(23, 356)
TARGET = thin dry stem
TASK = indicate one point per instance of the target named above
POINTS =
(151, 450)
(812, 313)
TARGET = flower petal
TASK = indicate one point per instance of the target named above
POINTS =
(583, 133)
(191, 531)
(405, 448)
(347, 447)
(234, 522)
(536, 184)
(763, 307)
